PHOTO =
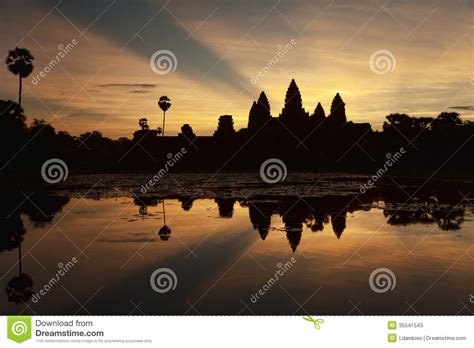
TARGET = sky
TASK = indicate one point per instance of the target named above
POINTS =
(381, 56)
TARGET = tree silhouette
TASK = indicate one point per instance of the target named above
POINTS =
(423, 123)
(13, 130)
(12, 113)
(164, 104)
(165, 231)
(20, 288)
(337, 118)
(20, 62)
(12, 119)
(143, 123)
(446, 120)
(401, 122)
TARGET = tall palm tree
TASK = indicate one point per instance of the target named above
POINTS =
(164, 104)
(20, 62)
(165, 231)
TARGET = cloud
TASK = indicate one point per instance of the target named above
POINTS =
(138, 240)
(144, 27)
(133, 88)
(139, 91)
(127, 85)
(86, 115)
(463, 107)
(317, 62)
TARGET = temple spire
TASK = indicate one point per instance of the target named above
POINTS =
(337, 118)
(293, 115)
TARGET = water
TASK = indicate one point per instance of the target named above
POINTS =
(228, 245)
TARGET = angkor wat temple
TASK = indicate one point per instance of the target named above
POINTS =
(315, 141)
(293, 136)
(303, 141)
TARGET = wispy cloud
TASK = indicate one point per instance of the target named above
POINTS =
(134, 27)
(139, 91)
(133, 88)
(127, 85)
(463, 107)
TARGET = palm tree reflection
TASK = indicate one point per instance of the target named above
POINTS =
(19, 288)
(165, 231)
(40, 209)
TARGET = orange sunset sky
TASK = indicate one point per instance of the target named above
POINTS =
(106, 82)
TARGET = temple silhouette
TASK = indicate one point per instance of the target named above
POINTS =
(322, 140)
(290, 136)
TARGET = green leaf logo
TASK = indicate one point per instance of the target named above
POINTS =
(316, 322)
(19, 328)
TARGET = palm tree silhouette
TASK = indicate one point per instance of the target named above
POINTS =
(164, 104)
(143, 123)
(20, 288)
(19, 62)
(165, 231)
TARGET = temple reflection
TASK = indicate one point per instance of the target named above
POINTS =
(287, 217)
(186, 202)
(296, 213)
(225, 206)
(260, 216)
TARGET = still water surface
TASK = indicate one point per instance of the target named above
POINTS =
(226, 253)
